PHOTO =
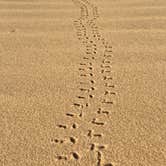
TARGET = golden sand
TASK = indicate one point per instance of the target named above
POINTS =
(82, 83)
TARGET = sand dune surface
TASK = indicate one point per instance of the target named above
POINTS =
(83, 83)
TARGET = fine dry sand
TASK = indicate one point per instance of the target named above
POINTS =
(82, 83)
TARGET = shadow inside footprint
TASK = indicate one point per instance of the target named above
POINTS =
(75, 156)
(109, 164)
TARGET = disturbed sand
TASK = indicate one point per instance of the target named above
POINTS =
(82, 83)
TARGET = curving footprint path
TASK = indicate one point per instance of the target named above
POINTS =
(91, 108)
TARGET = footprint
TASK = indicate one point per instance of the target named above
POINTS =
(107, 78)
(105, 66)
(81, 69)
(87, 104)
(73, 140)
(107, 71)
(101, 147)
(78, 105)
(74, 125)
(97, 123)
(92, 81)
(109, 85)
(108, 51)
(13, 30)
(89, 53)
(88, 49)
(89, 133)
(70, 114)
(75, 155)
(97, 135)
(62, 126)
(102, 112)
(85, 58)
(82, 64)
(92, 147)
(108, 56)
(107, 102)
(106, 61)
(82, 89)
(81, 114)
(109, 93)
(105, 112)
(61, 157)
(98, 158)
(81, 97)
(57, 141)
(91, 96)
(108, 164)
(83, 75)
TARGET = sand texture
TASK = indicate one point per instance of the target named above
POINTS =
(83, 83)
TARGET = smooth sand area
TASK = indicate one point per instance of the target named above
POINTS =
(82, 83)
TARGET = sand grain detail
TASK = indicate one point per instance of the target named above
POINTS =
(109, 121)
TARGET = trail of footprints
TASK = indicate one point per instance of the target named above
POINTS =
(98, 54)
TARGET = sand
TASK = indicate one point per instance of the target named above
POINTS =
(83, 83)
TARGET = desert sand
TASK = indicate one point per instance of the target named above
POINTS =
(82, 83)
